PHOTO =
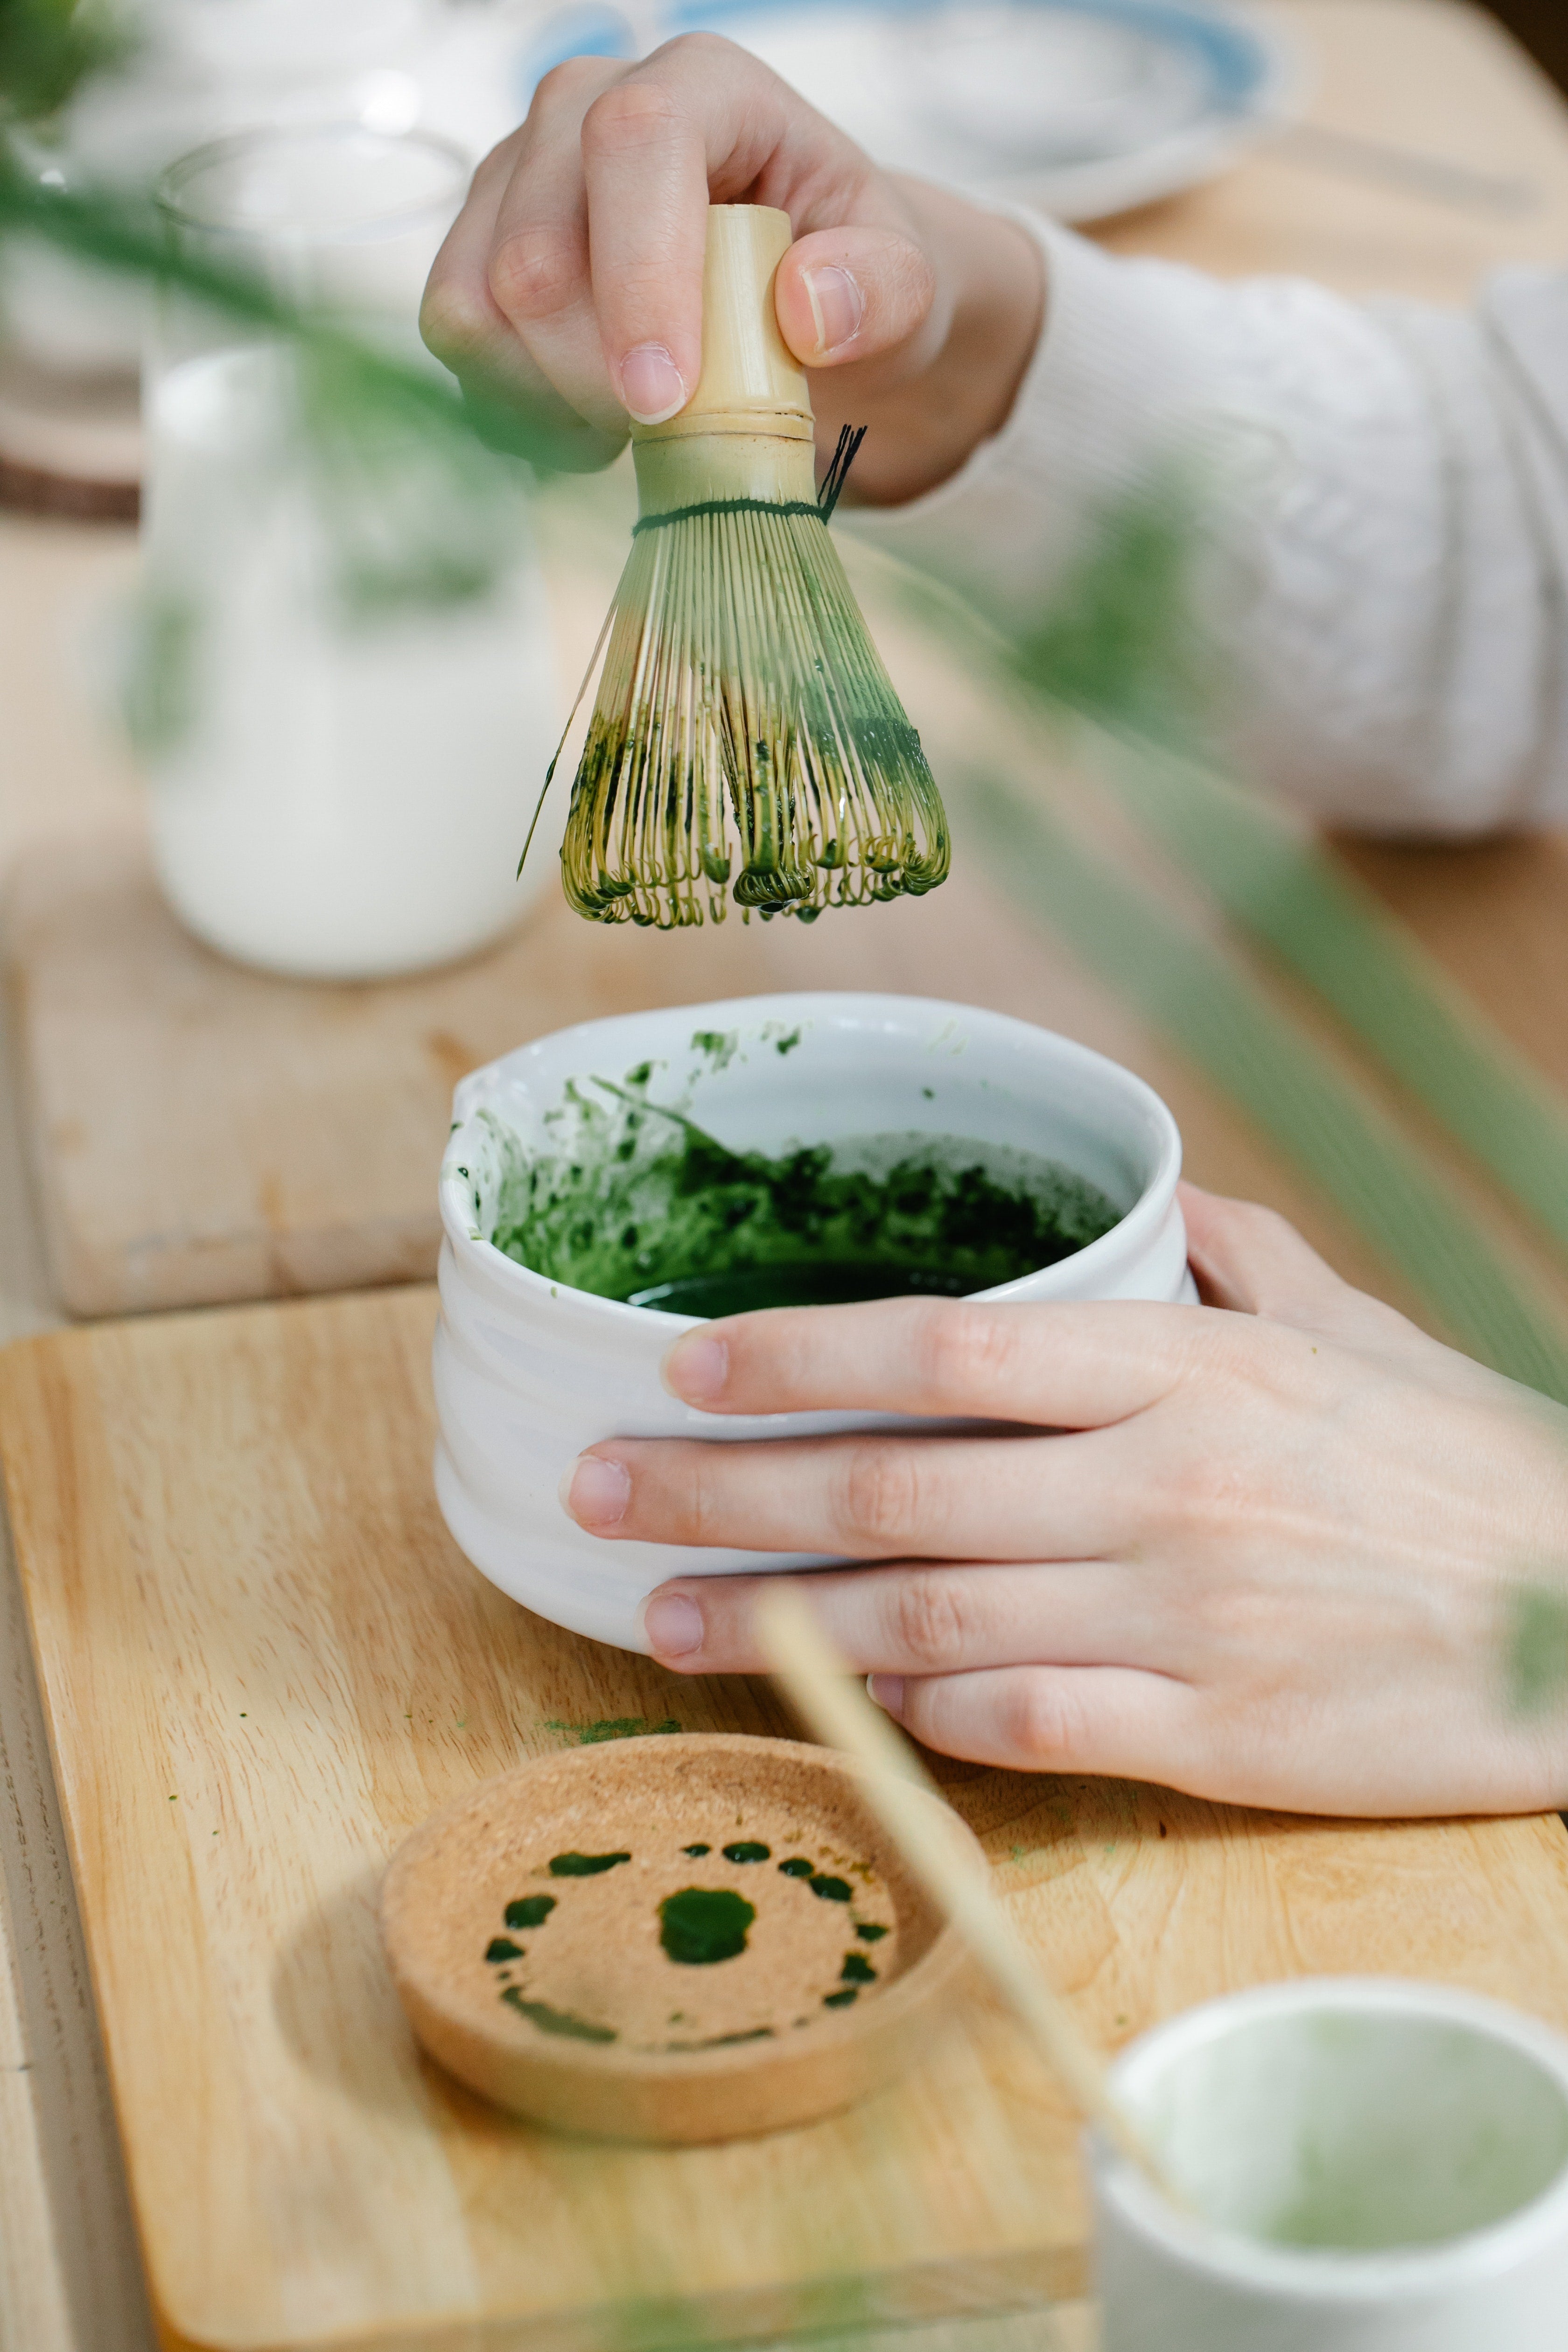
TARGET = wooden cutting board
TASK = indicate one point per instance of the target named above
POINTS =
(200, 1133)
(263, 1661)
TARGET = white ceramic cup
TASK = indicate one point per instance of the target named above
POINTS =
(529, 1371)
(1380, 2166)
(341, 779)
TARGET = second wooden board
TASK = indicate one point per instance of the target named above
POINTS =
(263, 1662)
(203, 1133)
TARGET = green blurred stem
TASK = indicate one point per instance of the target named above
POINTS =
(1120, 647)
(1536, 1647)
(120, 234)
(1285, 894)
(1186, 989)
(48, 49)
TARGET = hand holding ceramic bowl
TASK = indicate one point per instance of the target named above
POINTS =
(1296, 1555)
(530, 1369)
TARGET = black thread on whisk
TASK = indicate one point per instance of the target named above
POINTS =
(827, 497)
(725, 506)
(850, 439)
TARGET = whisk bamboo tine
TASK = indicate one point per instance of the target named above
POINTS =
(837, 1709)
(745, 739)
(561, 746)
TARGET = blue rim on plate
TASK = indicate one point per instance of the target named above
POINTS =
(1239, 61)
(1248, 73)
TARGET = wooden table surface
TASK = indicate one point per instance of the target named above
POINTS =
(1438, 78)
(265, 1661)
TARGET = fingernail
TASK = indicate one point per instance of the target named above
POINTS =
(697, 1368)
(597, 1493)
(673, 1625)
(888, 1691)
(837, 307)
(651, 384)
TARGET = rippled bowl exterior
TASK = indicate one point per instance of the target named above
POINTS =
(528, 1371)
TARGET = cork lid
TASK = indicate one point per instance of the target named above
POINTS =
(686, 1937)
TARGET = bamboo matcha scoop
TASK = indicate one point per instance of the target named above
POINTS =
(940, 1854)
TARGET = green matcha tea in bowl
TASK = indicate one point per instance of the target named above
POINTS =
(607, 1186)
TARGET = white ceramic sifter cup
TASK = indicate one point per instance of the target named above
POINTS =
(1379, 2167)
(529, 1371)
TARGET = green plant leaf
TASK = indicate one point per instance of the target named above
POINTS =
(1187, 989)
(48, 49)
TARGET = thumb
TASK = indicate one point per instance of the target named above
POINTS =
(847, 294)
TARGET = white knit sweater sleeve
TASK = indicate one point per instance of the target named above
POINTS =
(1387, 488)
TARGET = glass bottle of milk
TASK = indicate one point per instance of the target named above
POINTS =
(346, 695)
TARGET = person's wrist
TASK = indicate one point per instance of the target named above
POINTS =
(928, 428)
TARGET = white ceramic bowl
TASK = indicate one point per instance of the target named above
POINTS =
(529, 1371)
(1409, 2140)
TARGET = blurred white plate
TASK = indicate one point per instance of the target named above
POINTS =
(1083, 108)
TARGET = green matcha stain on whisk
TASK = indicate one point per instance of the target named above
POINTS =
(746, 741)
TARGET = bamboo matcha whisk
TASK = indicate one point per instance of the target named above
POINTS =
(747, 740)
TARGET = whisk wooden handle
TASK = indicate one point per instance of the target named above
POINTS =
(752, 382)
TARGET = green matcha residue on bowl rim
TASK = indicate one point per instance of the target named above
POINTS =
(642, 1204)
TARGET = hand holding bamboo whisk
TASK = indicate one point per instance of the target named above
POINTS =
(746, 741)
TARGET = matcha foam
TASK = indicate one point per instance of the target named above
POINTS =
(640, 1203)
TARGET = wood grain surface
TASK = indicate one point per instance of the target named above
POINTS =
(1429, 75)
(263, 1661)
(1434, 79)
(203, 1133)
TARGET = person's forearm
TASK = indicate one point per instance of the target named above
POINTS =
(1383, 523)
